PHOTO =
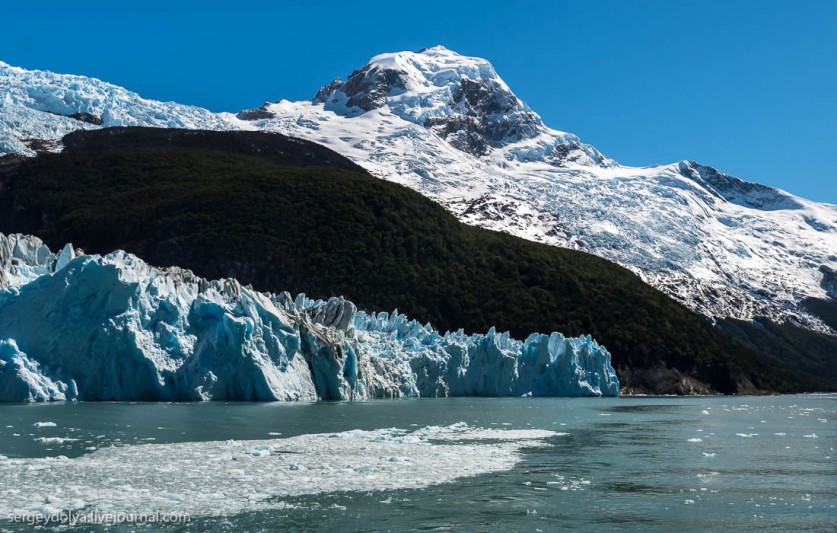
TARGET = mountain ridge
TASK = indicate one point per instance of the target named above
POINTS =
(449, 127)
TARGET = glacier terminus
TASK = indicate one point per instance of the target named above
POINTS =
(111, 327)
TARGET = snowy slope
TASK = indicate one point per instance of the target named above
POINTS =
(41, 105)
(448, 126)
(114, 328)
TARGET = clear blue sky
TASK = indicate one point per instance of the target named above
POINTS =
(747, 86)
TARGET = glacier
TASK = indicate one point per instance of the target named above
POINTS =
(91, 327)
(39, 107)
(448, 126)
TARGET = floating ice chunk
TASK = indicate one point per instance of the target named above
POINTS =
(260, 450)
(55, 440)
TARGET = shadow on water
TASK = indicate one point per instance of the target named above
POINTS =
(647, 408)
(632, 487)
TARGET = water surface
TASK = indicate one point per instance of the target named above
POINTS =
(690, 464)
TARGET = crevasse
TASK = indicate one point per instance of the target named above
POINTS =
(111, 327)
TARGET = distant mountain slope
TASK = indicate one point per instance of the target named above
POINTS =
(286, 214)
(447, 126)
(37, 105)
(808, 353)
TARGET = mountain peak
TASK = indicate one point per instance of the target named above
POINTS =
(459, 98)
(436, 49)
(433, 73)
(437, 56)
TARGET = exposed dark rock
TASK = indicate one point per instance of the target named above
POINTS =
(367, 88)
(737, 191)
(463, 133)
(258, 113)
(326, 90)
(42, 145)
(564, 153)
(661, 380)
(90, 118)
(829, 281)
(491, 117)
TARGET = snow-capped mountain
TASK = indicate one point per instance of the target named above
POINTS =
(448, 126)
(114, 328)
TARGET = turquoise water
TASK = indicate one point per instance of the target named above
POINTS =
(662, 464)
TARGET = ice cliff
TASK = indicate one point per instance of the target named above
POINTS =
(89, 327)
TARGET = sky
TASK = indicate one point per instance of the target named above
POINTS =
(749, 87)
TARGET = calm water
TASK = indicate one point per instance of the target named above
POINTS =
(684, 464)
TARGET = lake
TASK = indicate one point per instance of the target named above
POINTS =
(475, 464)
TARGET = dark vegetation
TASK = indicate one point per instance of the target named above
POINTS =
(811, 355)
(284, 214)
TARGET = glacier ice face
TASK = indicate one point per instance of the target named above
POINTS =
(114, 328)
(447, 126)
(22, 379)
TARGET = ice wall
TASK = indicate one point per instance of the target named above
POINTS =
(114, 328)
